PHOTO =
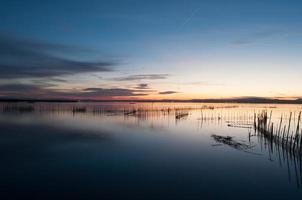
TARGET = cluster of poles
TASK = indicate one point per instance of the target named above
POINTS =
(283, 133)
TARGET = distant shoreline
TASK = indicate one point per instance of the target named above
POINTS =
(235, 100)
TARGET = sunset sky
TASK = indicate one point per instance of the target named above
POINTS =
(167, 49)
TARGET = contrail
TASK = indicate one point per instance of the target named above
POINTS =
(190, 17)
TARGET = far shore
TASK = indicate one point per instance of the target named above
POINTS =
(252, 100)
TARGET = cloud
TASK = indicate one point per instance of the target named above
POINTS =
(58, 80)
(20, 58)
(40, 92)
(288, 97)
(24, 90)
(251, 38)
(203, 83)
(142, 77)
(142, 86)
(167, 92)
(18, 87)
(94, 92)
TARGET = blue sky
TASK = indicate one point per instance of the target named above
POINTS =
(192, 49)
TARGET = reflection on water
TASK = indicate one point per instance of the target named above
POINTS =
(148, 150)
(228, 140)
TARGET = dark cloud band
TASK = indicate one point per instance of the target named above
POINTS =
(168, 92)
(21, 58)
(39, 91)
(142, 77)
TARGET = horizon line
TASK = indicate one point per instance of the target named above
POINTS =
(263, 100)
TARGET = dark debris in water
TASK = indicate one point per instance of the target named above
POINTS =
(230, 141)
(239, 125)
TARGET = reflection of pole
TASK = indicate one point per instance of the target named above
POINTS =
(296, 173)
(301, 142)
(290, 119)
(283, 135)
(270, 119)
(271, 138)
(296, 139)
(300, 164)
(288, 168)
(279, 156)
(280, 126)
(255, 126)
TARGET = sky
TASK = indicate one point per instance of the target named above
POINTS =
(135, 49)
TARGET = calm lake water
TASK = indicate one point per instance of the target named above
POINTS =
(145, 151)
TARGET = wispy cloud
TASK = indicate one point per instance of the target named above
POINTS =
(21, 58)
(113, 92)
(142, 86)
(19, 90)
(203, 83)
(168, 92)
(14, 88)
(58, 80)
(254, 37)
(142, 77)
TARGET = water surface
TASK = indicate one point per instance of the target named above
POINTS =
(143, 151)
